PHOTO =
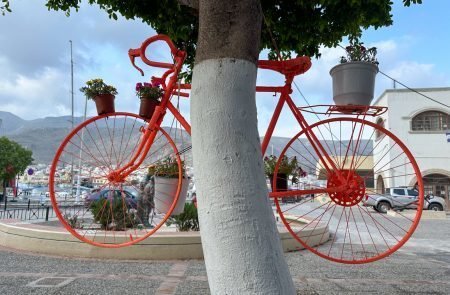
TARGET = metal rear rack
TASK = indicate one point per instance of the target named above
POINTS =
(351, 110)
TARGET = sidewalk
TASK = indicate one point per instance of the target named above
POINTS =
(422, 266)
(404, 273)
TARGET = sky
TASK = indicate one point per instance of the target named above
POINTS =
(35, 69)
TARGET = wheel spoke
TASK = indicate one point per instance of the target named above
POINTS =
(102, 145)
(357, 235)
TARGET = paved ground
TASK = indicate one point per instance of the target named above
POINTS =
(421, 267)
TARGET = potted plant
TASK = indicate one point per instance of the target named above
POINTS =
(166, 184)
(354, 78)
(288, 167)
(150, 95)
(102, 94)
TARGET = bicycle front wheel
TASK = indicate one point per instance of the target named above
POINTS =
(114, 214)
(354, 161)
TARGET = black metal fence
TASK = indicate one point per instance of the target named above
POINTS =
(44, 213)
(35, 210)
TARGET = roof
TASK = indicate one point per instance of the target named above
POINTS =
(403, 90)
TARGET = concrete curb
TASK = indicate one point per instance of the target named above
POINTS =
(426, 214)
(160, 246)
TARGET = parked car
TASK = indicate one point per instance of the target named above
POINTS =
(83, 191)
(399, 198)
(130, 199)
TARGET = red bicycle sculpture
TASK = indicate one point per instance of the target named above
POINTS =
(345, 152)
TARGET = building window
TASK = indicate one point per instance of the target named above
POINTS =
(431, 121)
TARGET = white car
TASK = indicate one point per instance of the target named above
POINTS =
(399, 198)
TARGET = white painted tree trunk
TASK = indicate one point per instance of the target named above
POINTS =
(242, 249)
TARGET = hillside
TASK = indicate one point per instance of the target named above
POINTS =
(43, 137)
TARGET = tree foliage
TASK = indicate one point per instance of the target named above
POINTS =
(14, 159)
(301, 26)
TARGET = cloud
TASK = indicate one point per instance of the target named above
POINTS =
(35, 55)
(35, 65)
(415, 75)
(34, 96)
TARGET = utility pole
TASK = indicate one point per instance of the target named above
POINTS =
(71, 91)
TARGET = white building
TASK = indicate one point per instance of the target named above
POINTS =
(422, 125)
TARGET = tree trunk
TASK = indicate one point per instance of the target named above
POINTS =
(241, 245)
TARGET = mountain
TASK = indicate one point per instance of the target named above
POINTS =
(12, 124)
(44, 136)
(9, 123)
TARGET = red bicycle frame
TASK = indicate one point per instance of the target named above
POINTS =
(289, 68)
(344, 219)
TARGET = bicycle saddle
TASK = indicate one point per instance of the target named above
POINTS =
(294, 67)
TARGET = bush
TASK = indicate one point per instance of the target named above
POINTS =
(287, 166)
(186, 221)
(73, 221)
(120, 220)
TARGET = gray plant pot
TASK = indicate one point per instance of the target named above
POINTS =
(353, 83)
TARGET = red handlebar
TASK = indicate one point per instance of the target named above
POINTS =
(150, 40)
(133, 53)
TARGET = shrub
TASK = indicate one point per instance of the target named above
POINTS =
(186, 221)
(73, 221)
(121, 219)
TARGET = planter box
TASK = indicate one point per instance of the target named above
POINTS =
(165, 190)
(353, 83)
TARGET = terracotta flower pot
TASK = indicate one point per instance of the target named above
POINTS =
(104, 103)
(147, 107)
(353, 83)
(282, 185)
(282, 182)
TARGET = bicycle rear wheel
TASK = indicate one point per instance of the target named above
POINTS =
(116, 214)
(368, 158)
